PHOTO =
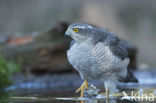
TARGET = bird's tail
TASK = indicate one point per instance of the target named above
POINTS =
(129, 78)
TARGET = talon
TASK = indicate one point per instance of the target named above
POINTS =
(82, 87)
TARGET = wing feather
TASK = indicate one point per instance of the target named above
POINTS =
(119, 49)
(117, 46)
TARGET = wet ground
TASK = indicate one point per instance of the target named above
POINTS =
(60, 89)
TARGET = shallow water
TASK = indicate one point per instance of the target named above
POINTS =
(61, 89)
(69, 96)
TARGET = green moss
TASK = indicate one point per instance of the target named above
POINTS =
(6, 69)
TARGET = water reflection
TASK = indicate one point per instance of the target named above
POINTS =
(107, 101)
(45, 92)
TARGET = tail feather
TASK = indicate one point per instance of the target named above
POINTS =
(129, 78)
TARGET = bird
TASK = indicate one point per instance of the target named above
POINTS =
(97, 54)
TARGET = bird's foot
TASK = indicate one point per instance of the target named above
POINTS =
(112, 93)
(82, 87)
(92, 91)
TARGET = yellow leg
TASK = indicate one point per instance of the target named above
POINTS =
(107, 93)
(82, 87)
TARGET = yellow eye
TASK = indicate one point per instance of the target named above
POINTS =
(75, 29)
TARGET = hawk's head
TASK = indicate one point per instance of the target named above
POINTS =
(80, 32)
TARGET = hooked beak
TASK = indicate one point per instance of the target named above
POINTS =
(67, 33)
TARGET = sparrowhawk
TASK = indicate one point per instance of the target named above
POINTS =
(97, 55)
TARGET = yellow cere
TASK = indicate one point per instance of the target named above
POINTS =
(75, 29)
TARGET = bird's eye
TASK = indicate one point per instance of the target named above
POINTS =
(75, 29)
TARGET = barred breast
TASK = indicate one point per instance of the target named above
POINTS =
(95, 61)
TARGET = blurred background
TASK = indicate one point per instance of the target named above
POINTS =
(33, 46)
(132, 20)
